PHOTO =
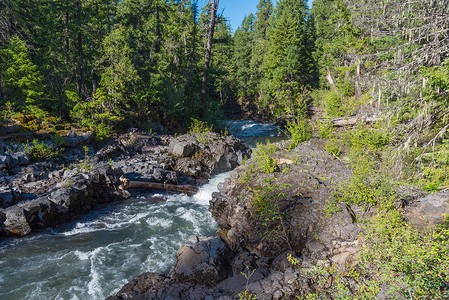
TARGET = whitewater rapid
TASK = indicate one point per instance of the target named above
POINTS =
(96, 255)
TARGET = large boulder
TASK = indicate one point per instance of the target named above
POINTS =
(295, 218)
(430, 209)
(16, 222)
(202, 259)
(202, 155)
(73, 139)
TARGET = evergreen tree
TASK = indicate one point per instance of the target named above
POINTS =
(260, 45)
(244, 38)
(287, 66)
(21, 77)
(112, 99)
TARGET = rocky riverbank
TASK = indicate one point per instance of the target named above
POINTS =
(275, 237)
(38, 195)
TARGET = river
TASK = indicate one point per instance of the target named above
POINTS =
(92, 257)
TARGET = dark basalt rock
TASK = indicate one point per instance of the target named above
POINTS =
(37, 195)
(302, 207)
(202, 155)
(202, 259)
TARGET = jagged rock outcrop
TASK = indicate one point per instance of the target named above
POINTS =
(37, 195)
(297, 220)
(202, 259)
(207, 153)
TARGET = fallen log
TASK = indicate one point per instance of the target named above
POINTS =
(342, 122)
(125, 183)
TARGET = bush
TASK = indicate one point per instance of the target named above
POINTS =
(59, 141)
(325, 129)
(333, 147)
(415, 263)
(40, 151)
(332, 102)
(299, 131)
(198, 126)
(262, 157)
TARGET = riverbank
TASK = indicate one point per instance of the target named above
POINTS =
(37, 195)
(286, 229)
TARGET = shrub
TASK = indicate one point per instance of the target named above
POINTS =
(198, 126)
(333, 147)
(264, 161)
(325, 129)
(299, 131)
(415, 263)
(332, 102)
(59, 141)
(40, 151)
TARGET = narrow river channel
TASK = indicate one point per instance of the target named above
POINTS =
(92, 257)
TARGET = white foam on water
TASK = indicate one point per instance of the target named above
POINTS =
(94, 286)
(204, 195)
(107, 248)
(159, 222)
(82, 255)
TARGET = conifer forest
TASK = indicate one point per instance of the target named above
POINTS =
(366, 82)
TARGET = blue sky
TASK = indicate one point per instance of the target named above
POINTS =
(236, 10)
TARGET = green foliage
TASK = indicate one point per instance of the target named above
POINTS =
(39, 151)
(23, 82)
(267, 210)
(333, 147)
(198, 126)
(287, 66)
(325, 129)
(58, 140)
(437, 82)
(362, 138)
(299, 131)
(332, 102)
(247, 295)
(435, 170)
(413, 262)
(263, 159)
(200, 129)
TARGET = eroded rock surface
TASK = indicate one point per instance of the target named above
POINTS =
(37, 195)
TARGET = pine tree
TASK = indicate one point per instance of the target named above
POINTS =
(244, 38)
(111, 101)
(21, 77)
(260, 46)
(287, 66)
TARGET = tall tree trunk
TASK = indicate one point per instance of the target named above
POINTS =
(82, 88)
(207, 58)
(192, 56)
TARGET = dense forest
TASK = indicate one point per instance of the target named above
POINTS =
(107, 65)
(369, 78)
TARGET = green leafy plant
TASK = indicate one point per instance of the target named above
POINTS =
(332, 102)
(299, 131)
(333, 147)
(265, 205)
(40, 151)
(325, 129)
(58, 140)
(200, 129)
(246, 294)
(415, 262)
(264, 161)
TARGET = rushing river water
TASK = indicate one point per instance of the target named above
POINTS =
(94, 256)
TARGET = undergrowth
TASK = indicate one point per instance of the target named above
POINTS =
(39, 151)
